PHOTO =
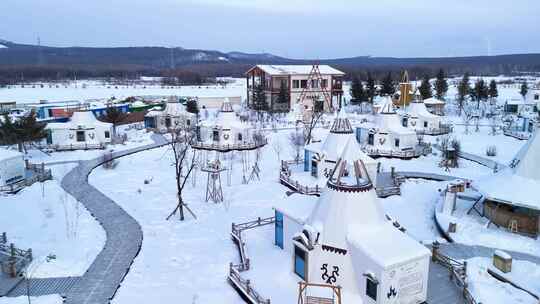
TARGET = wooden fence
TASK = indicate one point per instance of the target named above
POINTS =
(419, 150)
(243, 285)
(14, 260)
(458, 272)
(228, 147)
(38, 174)
(286, 180)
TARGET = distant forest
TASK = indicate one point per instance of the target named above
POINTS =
(28, 63)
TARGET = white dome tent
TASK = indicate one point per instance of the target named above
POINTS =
(387, 137)
(173, 115)
(82, 131)
(512, 195)
(348, 242)
(227, 128)
(12, 167)
(419, 119)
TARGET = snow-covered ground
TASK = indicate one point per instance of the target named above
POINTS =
(486, 289)
(51, 299)
(51, 222)
(86, 90)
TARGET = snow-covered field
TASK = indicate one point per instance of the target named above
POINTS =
(85, 90)
(51, 222)
(52, 299)
(487, 289)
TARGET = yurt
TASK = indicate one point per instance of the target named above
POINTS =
(320, 158)
(173, 116)
(387, 136)
(512, 195)
(347, 241)
(435, 106)
(12, 168)
(82, 131)
(227, 129)
(419, 119)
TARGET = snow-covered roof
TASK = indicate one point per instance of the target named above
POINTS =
(296, 206)
(387, 106)
(138, 104)
(297, 69)
(8, 154)
(529, 159)
(433, 101)
(418, 109)
(384, 244)
(227, 118)
(512, 189)
(79, 119)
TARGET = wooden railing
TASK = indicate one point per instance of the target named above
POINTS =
(71, 147)
(228, 147)
(303, 298)
(442, 129)
(285, 179)
(517, 135)
(244, 285)
(416, 152)
(458, 272)
(16, 260)
(39, 174)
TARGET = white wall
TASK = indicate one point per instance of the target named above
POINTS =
(11, 168)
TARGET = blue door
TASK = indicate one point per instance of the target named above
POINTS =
(300, 262)
(279, 229)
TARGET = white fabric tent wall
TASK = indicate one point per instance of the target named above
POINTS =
(12, 167)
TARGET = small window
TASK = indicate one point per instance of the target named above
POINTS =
(371, 139)
(167, 122)
(215, 135)
(405, 122)
(303, 84)
(425, 124)
(239, 136)
(296, 84)
(371, 289)
(188, 122)
(81, 136)
(324, 83)
(536, 96)
(300, 262)
(396, 142)
(314, 170)
(107, 134)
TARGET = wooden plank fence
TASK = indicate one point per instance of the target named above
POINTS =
(227, 148)
(458, 272)
(244, 286)
(13, 260)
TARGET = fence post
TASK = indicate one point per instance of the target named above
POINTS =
(434, 251)
(29, 252)
(248, 282)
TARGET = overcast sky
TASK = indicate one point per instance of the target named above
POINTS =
(292, 28)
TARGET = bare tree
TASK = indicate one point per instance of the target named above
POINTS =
(182, 137)
(277, 147)
(297, 140)
(313, 117)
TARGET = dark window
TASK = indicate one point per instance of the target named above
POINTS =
(371, 139)
(188, 122)
(324, 83)
(425, 124)
(371, 289)
(215, 135)
(536, 97)
(303, 84)
(80, 136)
(107, 134)
(296, 84)
(49, 137)
(167, 122)
(300, 262)
(239, 136)
(396, 142)
(405, 122)
(314, 172)
(314, 83)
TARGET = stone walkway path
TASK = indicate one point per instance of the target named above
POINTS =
(100, 282)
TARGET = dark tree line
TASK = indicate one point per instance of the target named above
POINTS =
(22, 131)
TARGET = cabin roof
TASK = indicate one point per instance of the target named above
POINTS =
(297, 69)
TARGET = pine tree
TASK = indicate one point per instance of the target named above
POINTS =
(8, 131)
(388, 86)
(371, 89)
(192, 106)
(114, 116)
(441, 85)
(463, 91)
(524, 89)
(425, 88)
(493, 92)
(357, 91)
(259, 101)
(479, 92)
(25, 130)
